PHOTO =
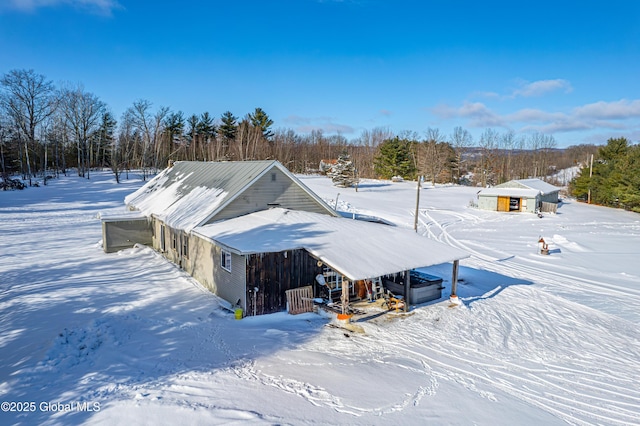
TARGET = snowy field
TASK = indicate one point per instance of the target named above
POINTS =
(128, 338)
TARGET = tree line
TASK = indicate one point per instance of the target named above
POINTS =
(611, 177)
(46, 130)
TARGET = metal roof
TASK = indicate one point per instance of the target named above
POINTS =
(509, 191)
(191, 193)
(536, 184)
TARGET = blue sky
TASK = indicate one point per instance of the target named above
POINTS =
(566, 68)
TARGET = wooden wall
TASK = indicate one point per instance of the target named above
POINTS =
(275, 273)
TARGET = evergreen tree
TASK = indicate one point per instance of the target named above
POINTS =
(206, 127)
(229, 127)
(193, 136)
(395, 159)
(615, 178)
(174, 125)
(343, 173)
(261, 120)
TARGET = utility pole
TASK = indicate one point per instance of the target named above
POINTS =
(590, 174)
(415, 219)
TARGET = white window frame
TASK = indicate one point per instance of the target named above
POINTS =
(225, 260)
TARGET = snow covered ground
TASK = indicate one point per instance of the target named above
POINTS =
(128, 338)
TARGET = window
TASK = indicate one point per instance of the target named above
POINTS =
(225, 260)
(163, 245)
(273, 177)
(174, 240)
(185, 246)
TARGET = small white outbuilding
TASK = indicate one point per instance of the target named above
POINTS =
(524, 195)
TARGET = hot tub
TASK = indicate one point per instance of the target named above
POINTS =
(423, 287)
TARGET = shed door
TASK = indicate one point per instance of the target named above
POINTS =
(503, 204)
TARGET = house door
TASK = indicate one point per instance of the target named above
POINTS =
(503, 204)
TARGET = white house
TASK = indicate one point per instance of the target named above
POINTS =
(249, 231)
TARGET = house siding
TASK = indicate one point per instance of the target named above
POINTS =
(204, 264)
(230, 286)
(488, 202)
(266, 192)
(551, 197)
(201, 262)
(156, 242)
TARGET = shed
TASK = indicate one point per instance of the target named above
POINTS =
(524, 195)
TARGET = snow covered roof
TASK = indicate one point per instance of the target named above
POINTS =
(511, 192)
(521, 188)
(536, 184)
(355, 248)
(190, 193)
(117, 217)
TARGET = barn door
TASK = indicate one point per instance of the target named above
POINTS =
(503, 204)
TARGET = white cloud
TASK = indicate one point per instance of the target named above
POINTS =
(617, 115)
(617, 110)
(477, 113)
(533, 115)
(309, 124)
(541, 87)
(101, 7)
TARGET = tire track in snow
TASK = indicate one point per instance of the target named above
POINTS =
(571, 402)
(511, 267)
(590, 389)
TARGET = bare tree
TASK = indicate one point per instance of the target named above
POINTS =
(27, 99)
(488, 155)
(507, 142)
(149, 130)
(125, 145)
(460, 140)
(368, 143)
(4, 133)
(156, 137)
(83, 112)
(433, 156)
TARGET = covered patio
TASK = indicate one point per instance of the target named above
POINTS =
(347, 252)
